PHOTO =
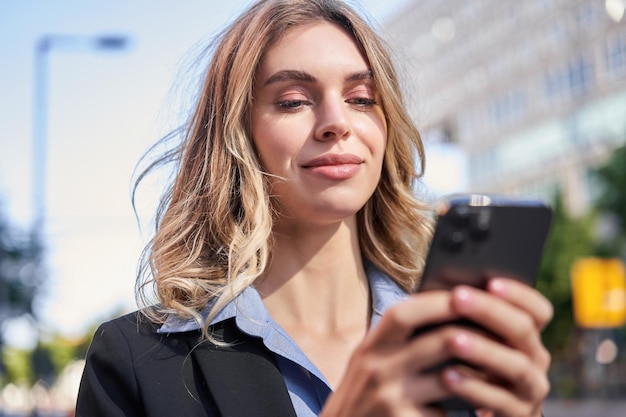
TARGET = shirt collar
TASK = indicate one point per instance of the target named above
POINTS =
(385, 292)
(252, 316)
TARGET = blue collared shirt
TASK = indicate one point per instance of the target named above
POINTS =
(308, 389)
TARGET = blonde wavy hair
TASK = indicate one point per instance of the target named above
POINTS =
(214, 223)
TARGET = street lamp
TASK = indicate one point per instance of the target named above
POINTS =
(615, 9)
(40, 111)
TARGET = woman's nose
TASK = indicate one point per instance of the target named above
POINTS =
(333, 121)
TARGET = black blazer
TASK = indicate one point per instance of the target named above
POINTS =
(132, 370)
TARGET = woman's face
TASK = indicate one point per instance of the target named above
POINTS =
(317, 124)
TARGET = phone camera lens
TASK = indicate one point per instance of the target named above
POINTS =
(479, 228)
(459, 216)
(453, 241)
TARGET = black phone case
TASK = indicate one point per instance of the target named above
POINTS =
(481, 237)
(473, 243)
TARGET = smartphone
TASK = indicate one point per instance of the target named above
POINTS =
(478, 237)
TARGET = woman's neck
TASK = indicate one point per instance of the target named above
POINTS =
(317, 279)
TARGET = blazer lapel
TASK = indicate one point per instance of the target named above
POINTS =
(243, 378)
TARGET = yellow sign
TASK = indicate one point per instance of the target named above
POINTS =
(599, 292)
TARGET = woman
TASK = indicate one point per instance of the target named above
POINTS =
(288, 246)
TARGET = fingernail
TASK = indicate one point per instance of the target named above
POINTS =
(462, 293)
(497, 286)
(453, 376)
(463, 296)
(462, 342)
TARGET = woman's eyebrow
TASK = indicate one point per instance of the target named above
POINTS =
(290, 75)
(295, 75)
(360, 76)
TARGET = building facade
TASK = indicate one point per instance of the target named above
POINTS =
(533, 91)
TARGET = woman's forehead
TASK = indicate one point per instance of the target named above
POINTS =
(316, 45)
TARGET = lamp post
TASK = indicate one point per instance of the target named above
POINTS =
(43, 48)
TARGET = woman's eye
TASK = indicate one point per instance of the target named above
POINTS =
(362, 101)
(290, 105)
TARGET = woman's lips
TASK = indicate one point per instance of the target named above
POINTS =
(334, 166)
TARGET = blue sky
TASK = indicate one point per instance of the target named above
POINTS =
(104, 110)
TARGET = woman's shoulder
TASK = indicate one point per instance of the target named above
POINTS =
(135, 322)
(138, 329)
(136, 335)
(141, 324)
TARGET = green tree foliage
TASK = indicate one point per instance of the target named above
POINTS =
(18, 366)
(21, 274)
(61, 351)
(611, 203)
(20, 271)
(46, 361)
(42, 364)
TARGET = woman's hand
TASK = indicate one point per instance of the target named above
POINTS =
(518, 363)
(386, 377)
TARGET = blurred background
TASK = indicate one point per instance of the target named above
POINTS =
(517, 98)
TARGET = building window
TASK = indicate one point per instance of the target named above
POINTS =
(508, 108)
(570, 80)
(580, 75)
(587, 15)
(616, 56)
(556, 34)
